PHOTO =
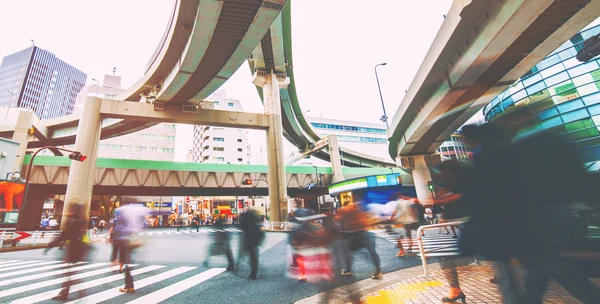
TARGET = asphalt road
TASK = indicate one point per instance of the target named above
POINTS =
(171, 266)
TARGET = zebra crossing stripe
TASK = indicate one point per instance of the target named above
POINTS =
(48, 274)
(8, 262)
(180, 286)
(25, 288)
(170, 232)
(51, 293)
(150, 233)
(35, 269)
(114, 292)
(17, 263)
(26, 265)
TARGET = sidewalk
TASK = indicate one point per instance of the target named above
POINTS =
(411, 286)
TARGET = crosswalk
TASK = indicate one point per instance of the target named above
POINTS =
(175, 232)
(435, 244)
(38, 281)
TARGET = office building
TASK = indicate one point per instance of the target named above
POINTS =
(367, 138)
(38, 80)
(219, 144)
(154, 143)
(565, 95)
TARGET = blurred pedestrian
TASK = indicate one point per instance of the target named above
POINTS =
(407, 215)
(221, 245)
(540, 161)
(354, 223)
(129, 222)
(309, 243)
(252, 235)
(72, 238)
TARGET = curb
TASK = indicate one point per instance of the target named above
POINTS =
(366, 286)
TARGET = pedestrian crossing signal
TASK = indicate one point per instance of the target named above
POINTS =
(31, 130)
(247, 182)
(77, 156)
(430, 185)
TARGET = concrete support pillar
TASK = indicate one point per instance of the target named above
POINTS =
(22, 136)
(276, 167)
(336, 159)
(81, 174)
(421, 176)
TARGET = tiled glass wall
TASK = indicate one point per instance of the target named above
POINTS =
(564, 92)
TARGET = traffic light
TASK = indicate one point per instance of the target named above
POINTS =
(77, 156)
(247, 182)
(31, 130)
(430, 185)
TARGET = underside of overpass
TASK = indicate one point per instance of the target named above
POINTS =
(175, 191)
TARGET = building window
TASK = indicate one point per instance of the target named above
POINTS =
(239, 140)
(239, 149)
(218, 139)
(240, 160)
(230, 104)
(219, 158)
(218, 149)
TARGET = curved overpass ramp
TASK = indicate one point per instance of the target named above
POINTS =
(274, 53)
(204, 43)
(482, 47)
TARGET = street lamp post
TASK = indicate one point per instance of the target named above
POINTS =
(97, 86)
(384, 118)
(77, 155)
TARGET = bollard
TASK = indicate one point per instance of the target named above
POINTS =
(2, 239)
(35, 234)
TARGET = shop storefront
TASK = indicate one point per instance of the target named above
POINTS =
(376, 193)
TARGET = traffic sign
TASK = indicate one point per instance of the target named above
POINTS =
(21, 234)
(187, 199)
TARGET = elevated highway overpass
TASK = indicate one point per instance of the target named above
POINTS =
(50, 174)
(481, 48)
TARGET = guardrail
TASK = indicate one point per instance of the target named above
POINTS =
(280, 226)
(424, 252)
(34, 237)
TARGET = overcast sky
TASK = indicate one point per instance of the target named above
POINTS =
(336, 44)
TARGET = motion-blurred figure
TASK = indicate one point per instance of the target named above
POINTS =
(252, 235)
(72, 238)
(407, 215)
(221, 245)
(129, 222)
(310, 247)
(547, 176)
(354, 223)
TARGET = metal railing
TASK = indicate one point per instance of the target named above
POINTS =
(424, 252)
(281, 226)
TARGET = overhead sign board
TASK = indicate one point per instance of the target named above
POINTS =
(348, 185)
(365, 182)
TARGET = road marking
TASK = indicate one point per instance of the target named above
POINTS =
(35, 269)
(170, 232)
(25, 288)
(48, 274)
(178, 287)
(9, 262)
(26, 265)
(150, 233)
(114, 292)
(17, 263)
(50, 294)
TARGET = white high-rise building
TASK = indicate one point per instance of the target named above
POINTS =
(154, 143)
(219, 144)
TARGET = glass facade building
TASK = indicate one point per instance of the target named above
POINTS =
(563, 92)
(36, 79)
